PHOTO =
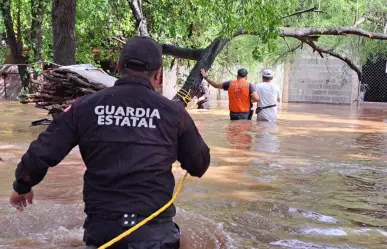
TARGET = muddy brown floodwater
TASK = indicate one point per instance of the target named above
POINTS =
(316, 179)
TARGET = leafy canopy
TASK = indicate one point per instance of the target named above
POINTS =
(195, 23)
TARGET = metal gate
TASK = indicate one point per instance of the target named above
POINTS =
(374, 80)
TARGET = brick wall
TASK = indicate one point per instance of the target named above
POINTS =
(316, 80)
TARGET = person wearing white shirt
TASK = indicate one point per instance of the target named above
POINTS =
(268, 97)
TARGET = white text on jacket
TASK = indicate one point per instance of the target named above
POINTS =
(126, 116)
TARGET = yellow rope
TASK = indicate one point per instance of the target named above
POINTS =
(191, 107)
(185, 95)
(131, 230)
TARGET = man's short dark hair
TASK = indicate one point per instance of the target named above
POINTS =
(267, 78)
(242, 72)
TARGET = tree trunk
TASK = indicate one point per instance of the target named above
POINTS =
(182, 53)
(206, 60)
(37, 14)
(18, 26)
(63, 26)
(14, 43)
(16, 52)
(136, 7)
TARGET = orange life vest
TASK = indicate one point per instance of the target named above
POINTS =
(239, 96)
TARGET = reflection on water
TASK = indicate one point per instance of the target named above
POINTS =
(316, 179)
(238, 134)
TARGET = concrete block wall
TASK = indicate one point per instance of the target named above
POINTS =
(169, 83)
(316, 80)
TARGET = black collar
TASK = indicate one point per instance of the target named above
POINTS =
(134, 81)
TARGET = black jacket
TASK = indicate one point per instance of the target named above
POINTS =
(129, 136)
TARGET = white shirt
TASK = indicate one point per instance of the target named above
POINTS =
(268, 94)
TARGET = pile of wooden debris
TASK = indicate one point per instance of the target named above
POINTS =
(61, 86)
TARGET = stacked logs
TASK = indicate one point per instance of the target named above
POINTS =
(58, 89)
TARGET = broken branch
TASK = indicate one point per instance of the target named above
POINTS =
(303, 32)
(181, 52)
(287, 52)
(361, 21)
(176, 51)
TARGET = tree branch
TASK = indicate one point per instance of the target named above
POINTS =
(286, 43)
(361, 21)
(182, 53)
(118, 39)
(208, 56)
(291, 50)
(332, 53)
(313, 9)
(304, 32)
(371, 18)
(136, 7)
(308, 36)
(176, 51)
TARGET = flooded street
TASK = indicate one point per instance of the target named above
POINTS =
(316, 179)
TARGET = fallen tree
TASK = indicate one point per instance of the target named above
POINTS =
(181, 27)
(205, 57)
(311, 35)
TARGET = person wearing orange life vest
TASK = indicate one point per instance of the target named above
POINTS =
(241, 94)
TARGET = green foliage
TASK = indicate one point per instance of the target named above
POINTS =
(97, 23)
(345, 13)
(22, 6)
(3, 53)
(195, 23)
(22, 94)
(35, 68)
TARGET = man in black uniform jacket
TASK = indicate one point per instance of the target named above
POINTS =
(129, 136)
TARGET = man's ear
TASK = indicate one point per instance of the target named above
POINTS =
(157, 75)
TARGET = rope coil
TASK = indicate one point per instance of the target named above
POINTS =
(184, 95)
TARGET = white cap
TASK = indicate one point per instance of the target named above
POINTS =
(268, 73)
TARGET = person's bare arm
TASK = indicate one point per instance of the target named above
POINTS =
(211, 82)
(253, 93)
(254, 97)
